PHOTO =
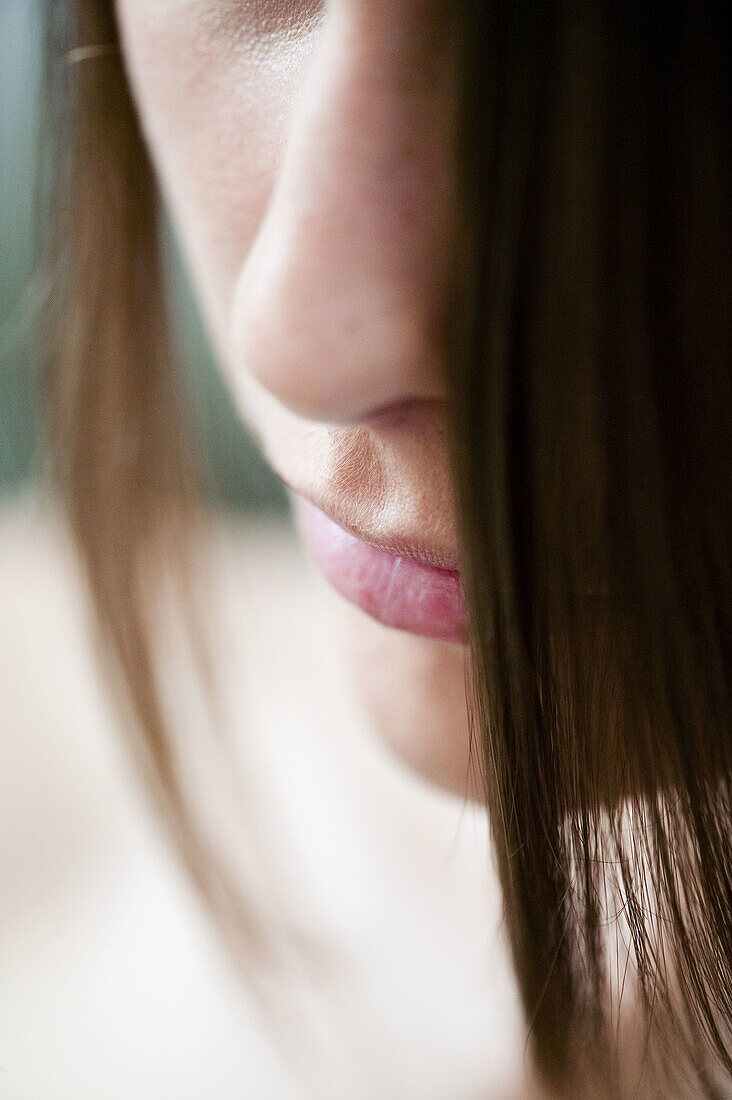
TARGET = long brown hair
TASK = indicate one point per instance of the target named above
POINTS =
(592, 443)
(590, 360)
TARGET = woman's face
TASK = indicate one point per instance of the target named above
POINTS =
(306, 152)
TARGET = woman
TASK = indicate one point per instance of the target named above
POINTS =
(466, 270)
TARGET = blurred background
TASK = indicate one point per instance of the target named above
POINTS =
(112, 982)
(235, 475)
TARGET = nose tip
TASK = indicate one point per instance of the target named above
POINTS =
(331, 344)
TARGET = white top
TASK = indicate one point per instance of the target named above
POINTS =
(113, 983)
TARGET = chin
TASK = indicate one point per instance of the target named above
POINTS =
(412, 691)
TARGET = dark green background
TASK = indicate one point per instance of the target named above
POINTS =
(235, 474)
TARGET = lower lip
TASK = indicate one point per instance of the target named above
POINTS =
(397, 591)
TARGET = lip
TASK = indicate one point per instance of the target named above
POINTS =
(393, 584)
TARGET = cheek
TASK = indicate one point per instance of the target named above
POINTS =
(215, 92)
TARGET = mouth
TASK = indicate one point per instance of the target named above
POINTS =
(399, 585)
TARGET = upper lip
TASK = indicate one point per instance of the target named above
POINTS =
(391, 544)
(387, 484)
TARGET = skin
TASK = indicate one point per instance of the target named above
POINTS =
(305, 150)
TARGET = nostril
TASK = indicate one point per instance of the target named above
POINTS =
(334, 349)
(317, 383)
(333, 369)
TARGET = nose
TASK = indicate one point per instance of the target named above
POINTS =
(340, 307)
